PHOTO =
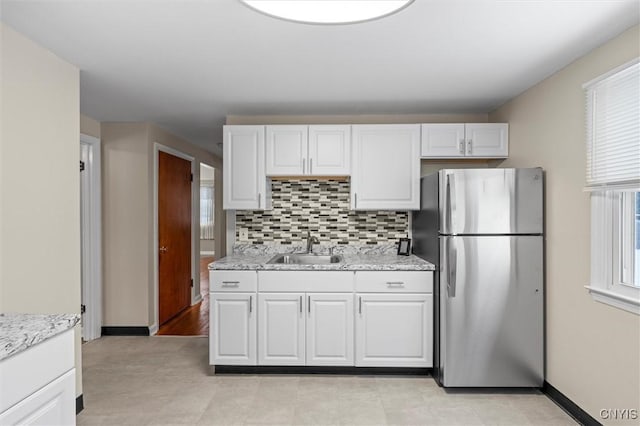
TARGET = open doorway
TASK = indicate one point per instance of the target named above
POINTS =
(90, 241)
(194, 321)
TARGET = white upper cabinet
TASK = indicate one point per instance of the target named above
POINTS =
(330, 150)
(487, 140)
(479, 140)
(385, 173)
(322, 150)
(286, 150)
(245, 182)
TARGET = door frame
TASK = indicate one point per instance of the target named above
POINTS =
(91, 234)
(157, 147)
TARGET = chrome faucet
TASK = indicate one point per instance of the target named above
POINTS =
(311, 241)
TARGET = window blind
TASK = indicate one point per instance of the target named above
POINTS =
(613, 129)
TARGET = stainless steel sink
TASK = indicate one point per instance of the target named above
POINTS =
(305, 259)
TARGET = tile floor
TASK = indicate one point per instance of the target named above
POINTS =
(164, 380)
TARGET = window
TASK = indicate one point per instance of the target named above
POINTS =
(206, 210)
(613, 178)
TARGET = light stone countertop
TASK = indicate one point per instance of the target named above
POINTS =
(19, 332)
(362, 258)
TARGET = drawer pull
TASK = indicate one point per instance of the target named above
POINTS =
(230, 283)
(395, 283)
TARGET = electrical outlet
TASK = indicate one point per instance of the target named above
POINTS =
(243, 234)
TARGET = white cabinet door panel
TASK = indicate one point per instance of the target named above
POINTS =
(386, 167)
(281, 334)
(394, 330)
(487, 140)
(443, 140)
(244, 186)
(329, 150)
(54, 404)
(286, 150)
(330, 329)
(232, 324)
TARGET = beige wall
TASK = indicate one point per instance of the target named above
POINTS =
(128, 224)
(593, 350)
(125, 221)
(89, 126)
(40, 183)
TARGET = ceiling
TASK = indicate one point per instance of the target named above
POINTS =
(187, 64)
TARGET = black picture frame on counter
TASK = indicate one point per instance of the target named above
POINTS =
(404, 247)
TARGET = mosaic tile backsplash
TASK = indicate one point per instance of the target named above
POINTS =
(321, 207)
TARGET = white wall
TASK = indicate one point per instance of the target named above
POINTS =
(593, 350)
(39, 183)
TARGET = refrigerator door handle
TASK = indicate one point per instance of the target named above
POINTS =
(452, 264)
(450, 204)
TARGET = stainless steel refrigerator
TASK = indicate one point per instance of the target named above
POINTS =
(483, 229)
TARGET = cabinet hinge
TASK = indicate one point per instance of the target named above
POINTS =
(191, 177)
(191, 282)
(83, 309)
(81, 166)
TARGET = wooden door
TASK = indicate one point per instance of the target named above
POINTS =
(174, 235)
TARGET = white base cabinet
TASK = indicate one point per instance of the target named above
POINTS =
(336, 318)
(281, 334)
(329, 329)
(394, 330)
(38, 385)
(232, 325)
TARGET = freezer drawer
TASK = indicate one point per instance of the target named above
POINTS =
(491, 311)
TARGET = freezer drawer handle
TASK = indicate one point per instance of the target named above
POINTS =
(395, 283)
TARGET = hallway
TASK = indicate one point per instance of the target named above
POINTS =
(193, 321)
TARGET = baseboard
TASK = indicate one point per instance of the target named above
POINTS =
(79, 404)
(125, 331)
(197, 299)
(153, 329)
(569, 406)
(301, 369)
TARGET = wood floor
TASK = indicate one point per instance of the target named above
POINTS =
(193, 321)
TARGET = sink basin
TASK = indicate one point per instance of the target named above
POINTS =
(305, 259)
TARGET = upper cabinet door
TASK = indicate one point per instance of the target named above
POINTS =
(443, 140)
(329, 150)
(385, 172)
(487, 140)
(286, 150)
(244, 178)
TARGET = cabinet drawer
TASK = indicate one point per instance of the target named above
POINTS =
(233, 281)
(306, 281)
(24, 373)
(394, 281)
